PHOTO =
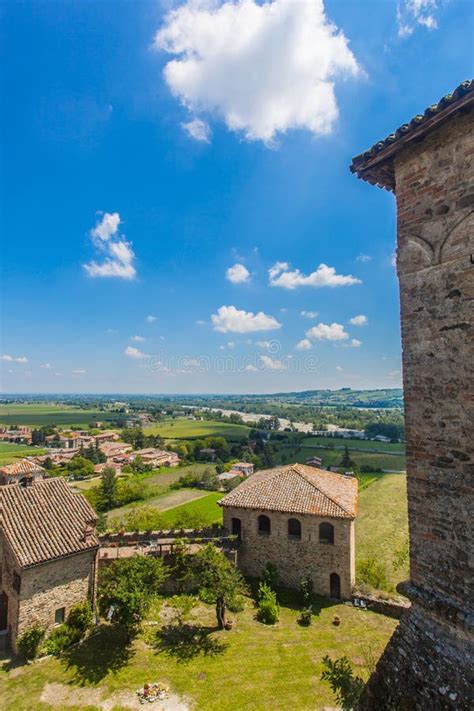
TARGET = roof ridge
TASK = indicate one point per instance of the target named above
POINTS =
(313, 484)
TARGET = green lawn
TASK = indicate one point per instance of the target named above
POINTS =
(355, 444)
(9, 452)
(59, 415)
(332, 457)
(205, 507)
(182, 428)
(382, 524)
(253, 667)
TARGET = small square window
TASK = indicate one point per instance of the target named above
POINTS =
(59, 615)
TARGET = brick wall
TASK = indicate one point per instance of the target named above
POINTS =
(295, 559)
(429, 661)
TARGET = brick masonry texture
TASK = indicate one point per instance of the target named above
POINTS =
(295, 559)
(429, 661)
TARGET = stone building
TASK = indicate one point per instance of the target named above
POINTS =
(429, 165)
(20, 471)
(48, 555)
(301, 519)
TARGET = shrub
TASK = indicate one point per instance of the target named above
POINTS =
(306, 588)
(268, 609)
(80, 617)
(60, 638)
(270, 575)
(306, 616)
(372, 572)
(30, 641)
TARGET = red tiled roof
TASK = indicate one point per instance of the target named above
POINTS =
(20, 467)
(297, 488)
(45, 521)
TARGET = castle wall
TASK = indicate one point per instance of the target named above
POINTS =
(295, 559)
(428, 663)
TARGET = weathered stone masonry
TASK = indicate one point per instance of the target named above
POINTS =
(428, 664)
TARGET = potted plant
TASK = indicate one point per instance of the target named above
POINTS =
(336, 620)
(229, 624)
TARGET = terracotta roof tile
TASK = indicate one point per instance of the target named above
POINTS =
(375, 165)
(45, 521)
(297, 488)
(22, 466)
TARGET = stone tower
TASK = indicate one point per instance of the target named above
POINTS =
(429, 165)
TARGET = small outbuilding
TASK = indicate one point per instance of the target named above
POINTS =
(301, 519)
(18, 472)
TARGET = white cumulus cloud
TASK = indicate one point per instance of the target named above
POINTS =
(117, 255)
(303, 345)
(271, 363)
(13, 359)
(355, 343)
(150, 318)
(262, 67)
(327, 332)
(132, 352)
(359, 320)
(281, 275)
(198, 129)
(238, 274)
(229, 319)
(309, 314)
(411, 13)
(137, 339)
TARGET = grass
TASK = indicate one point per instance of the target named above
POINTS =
(205, 507)
(9, 452)
(332, 457)
(252, 667)
(382, 524)
(397, 448)
(59, 415)
(165, 500)
(183, 428)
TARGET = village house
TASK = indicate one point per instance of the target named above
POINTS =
(301, 519)
(316, 462)
(20, 435)
(115, 449)
(245, 468)
(20, 471)
(48, 555)
(157, 457)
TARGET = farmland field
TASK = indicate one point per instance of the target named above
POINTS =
(196, 429)
(9, 452)
(354, 444)
(332, 457)
(60, 415)
(205, 507)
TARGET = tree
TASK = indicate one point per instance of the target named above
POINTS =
(346, 460)
(108, 489)
(79, 467)
(346, 687)
(127, 588)
(221, 579)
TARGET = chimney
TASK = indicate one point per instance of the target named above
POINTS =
(88, 533)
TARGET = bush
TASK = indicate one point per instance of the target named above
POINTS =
(30, 641)
(268, 610)
(60, 638)
(270, 575)
(372, 572)
(346, 687)
(306, 616)
(306, 589)
(80, 618)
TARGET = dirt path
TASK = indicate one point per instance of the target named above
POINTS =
(63, 697)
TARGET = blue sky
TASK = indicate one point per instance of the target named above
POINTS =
(137, 169)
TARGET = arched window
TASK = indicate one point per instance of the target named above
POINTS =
(264, 526)
(237, 527)
(326, 533)
(294, 528)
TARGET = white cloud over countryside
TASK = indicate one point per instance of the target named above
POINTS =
(238, 274)
(262, 67)
(198, 129)
(228, 319)
(13, 359)
(359, 320)
(411, 13)
(117, 255)
(327, 332)
(135, 353)
(281, 275)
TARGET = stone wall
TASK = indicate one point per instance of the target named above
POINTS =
(295, 559)
(430, 658)
(45, 588)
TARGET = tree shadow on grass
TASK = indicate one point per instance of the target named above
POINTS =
(106, 651)
(188, 641)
